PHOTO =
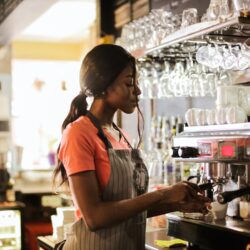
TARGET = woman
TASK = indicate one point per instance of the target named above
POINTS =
(107, 178)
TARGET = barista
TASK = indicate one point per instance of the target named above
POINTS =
(106, 175)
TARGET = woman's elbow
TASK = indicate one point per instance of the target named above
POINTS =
(92, 223)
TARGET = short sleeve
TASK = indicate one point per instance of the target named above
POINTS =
(76, 150)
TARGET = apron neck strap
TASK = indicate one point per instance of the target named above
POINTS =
(100, 131)
(116, 127)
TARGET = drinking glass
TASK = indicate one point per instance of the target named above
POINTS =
(225, 11)
(165, 81)
(202, 55)
(242, 7)
(144, 82)
(243, 58)
(229, 58)
(189, 17)
(247, 44)
(213, 11)
(214, 56)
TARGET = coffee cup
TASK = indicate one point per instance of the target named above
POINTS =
(245, 210)
(227, 95)
(244, 99)
(218, 210)
(200, 117)
(220, 115)
(191, 116)
(235, 114)
(210, 116)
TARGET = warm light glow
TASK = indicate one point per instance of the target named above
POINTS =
(39, 105)
(65, 19)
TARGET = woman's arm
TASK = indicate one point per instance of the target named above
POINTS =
(99, 214)
(199, 204)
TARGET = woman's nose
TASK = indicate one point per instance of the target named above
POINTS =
(137, 90)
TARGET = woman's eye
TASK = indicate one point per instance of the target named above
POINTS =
(130, 84)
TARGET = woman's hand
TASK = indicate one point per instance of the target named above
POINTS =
(200, 204)
(182, 197)
(181, 192)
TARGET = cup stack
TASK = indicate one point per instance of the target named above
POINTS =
(61, 222)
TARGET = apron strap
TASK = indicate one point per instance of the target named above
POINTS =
(100, 131)
(116, 127)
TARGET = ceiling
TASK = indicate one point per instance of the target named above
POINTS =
(49, 20)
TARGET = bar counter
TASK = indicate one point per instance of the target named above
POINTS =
(230, 233)
(48, 242)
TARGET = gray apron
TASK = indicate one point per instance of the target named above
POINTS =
(128, 179)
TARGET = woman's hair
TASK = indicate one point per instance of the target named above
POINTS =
(99, 69)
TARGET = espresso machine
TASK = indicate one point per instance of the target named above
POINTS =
(222, 153)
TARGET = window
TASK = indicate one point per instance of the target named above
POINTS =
(41, 95)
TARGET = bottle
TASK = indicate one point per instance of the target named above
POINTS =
(156, 167)
(179, 125)
(169, 175)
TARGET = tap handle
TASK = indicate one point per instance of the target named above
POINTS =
(206, 186)
(230, 195)
(194, 176)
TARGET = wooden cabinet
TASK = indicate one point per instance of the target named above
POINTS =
(115, 14)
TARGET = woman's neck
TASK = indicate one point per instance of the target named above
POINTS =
(103, 113)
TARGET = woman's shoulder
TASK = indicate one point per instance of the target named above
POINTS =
(80, 127)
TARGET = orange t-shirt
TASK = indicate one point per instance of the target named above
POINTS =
(82, 150)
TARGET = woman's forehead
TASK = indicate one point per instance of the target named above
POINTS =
(128, 71)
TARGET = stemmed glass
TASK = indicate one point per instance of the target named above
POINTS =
(189, 17)
(214, 56)
(229, 59)
(243, 58)
(165, 81)
(154, 91)
(144, 79)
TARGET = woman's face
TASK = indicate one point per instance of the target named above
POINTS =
(123, 93)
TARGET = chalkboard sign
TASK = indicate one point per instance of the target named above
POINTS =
(177, 6)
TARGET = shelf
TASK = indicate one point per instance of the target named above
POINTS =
(223, 127)
(196, 31)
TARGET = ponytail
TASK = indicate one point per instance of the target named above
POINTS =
(78, 108)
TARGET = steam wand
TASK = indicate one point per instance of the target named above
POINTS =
(230, 195)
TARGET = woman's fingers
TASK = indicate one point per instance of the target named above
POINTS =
(194, 186)
(191, 190)
(193, 206)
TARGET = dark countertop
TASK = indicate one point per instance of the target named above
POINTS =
(229, 224)
(230, 234)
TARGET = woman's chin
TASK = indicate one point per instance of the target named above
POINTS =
(128, 110)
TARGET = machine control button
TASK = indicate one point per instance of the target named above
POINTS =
(227, 150)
